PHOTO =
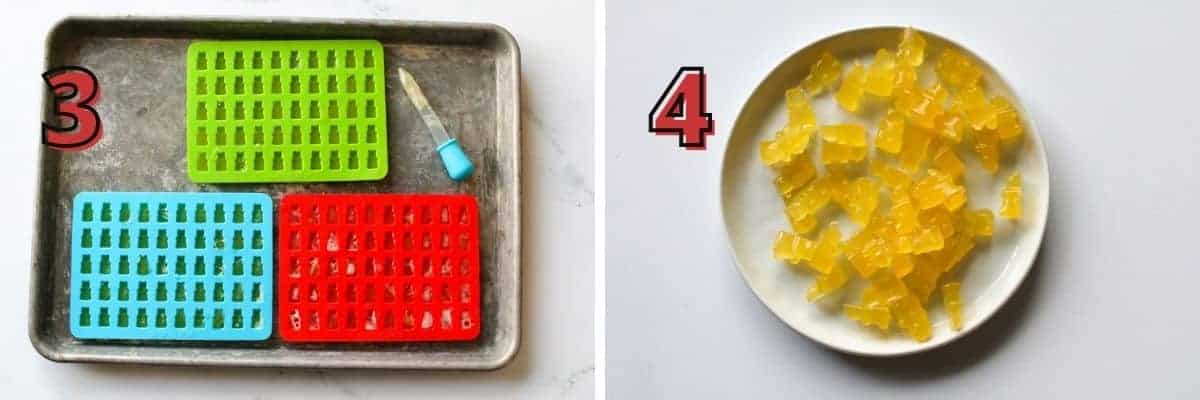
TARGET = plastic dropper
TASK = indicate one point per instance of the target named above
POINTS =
(458, 166)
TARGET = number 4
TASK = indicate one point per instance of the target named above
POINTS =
(682, 109)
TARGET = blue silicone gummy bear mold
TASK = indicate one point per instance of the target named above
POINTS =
(172, 266)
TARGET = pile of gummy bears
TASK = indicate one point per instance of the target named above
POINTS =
(915, 228)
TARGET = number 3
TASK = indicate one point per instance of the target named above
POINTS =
(75, 90)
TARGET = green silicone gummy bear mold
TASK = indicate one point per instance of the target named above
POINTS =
(286, 111)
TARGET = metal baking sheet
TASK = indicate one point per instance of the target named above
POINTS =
(470, 73)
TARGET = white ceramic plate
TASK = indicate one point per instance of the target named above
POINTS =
(753, 213)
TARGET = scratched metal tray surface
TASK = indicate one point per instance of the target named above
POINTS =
(469, 72)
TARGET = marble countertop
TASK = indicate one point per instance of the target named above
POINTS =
(555, 360)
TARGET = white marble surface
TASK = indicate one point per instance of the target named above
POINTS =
(1108, 310)
(555, 360)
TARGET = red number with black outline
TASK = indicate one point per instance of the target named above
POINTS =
(682, 109)
(75, 91)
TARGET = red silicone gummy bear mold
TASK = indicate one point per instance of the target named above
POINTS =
(378, 268)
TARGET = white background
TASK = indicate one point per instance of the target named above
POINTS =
(1108, 311)
(555, 359)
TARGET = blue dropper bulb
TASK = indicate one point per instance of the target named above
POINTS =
(455, 159)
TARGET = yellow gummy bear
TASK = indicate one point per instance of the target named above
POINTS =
(827, 250)
(954, 252)
(938, 218)
(771, 154)
(987, 146)
(792, 248)
(956, 69)
(945, 160)
(950, 126)
(877, 255)
(862, 200)
(952, 299)
(912, 318)
(860, 260)
(927, 194)
(979, 223)
(891, 176)
(789, 142)
(906, 77)
(851, 91)
(979, 112)
(794, 175)
(833, 181)
(922, 107)
(912, 47)
(868, 250)
(808, 201)
(891, 132)
(877, 316)
(884, 290)
(837, 182)
(852, 135)
(828, 283)
(924, 277)
(1010, 205)
(904, 213)
(1008, 124)
(956, 194)
(881, 75)
(800, 112)
(823, 74)
(932, 190)
(803, 206)
(835, 153)
(928, 239)
(887, 230)
(915, 149)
